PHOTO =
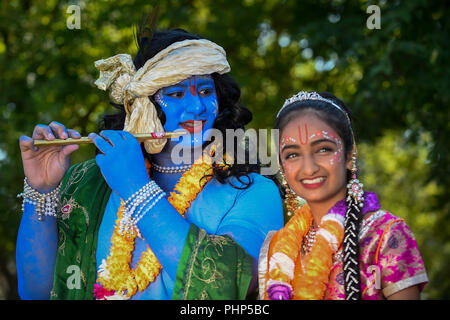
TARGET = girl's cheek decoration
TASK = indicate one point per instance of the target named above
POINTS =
(337, 156)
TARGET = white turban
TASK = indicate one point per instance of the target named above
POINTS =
(170, 66)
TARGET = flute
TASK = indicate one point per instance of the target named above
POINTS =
(86, 140)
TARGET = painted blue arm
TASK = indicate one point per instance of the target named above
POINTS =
(166, 231)
(257, 211)
(35, 255)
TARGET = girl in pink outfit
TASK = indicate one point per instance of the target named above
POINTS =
(340, 244)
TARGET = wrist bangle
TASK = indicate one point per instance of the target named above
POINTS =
(44, 203)
(133, 202)
(140, 198)
(139, 216)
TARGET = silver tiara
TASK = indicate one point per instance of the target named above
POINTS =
(303, 95)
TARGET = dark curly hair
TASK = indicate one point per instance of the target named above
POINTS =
(232, 115)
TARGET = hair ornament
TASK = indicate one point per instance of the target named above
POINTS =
(304, 95)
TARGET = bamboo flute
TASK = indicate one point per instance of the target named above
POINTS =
(86, 140)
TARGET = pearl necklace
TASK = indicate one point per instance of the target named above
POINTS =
(178, 169)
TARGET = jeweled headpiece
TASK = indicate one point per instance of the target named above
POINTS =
(304, 95)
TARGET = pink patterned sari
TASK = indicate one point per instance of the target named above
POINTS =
(390, 260)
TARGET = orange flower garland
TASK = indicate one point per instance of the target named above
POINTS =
(189, 186)
(285, 246)
(115, 273)
(307, 277)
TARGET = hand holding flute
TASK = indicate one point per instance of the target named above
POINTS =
(46, 154)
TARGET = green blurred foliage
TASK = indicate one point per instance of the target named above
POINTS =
(395, 79)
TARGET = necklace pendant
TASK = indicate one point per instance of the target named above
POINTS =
(308, 240)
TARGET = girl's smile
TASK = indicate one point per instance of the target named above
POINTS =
(313, 183)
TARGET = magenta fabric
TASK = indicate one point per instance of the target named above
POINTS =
(390, 260)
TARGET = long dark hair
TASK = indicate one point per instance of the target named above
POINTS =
(232, 115)
(342, 124)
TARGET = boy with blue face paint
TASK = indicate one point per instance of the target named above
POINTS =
(177, 82)
(190, 105)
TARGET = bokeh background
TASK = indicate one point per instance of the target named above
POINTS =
(395, 79)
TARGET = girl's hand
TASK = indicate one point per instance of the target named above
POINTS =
(45, 167)
(121, 161)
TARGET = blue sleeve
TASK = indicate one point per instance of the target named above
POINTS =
(257, 210)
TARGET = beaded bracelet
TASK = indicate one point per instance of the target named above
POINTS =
(142, 196)
(136, 199)
(44, 203)
(126, 221)
(135, 221)
(139, 193)
(145, 203)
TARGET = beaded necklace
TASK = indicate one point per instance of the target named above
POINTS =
(309, 239)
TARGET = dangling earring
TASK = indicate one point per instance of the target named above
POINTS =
(290, 200)
(355, 187)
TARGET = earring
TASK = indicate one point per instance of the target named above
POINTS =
(355, 187)
(290, 197)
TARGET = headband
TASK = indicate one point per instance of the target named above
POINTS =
(132, 87)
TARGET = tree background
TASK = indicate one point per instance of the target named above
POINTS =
(395, 79)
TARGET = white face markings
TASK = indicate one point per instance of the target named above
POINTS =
(337, 156)
(159, 99)
(216, 107)
(285, 140)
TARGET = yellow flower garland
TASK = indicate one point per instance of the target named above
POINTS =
(116, 274)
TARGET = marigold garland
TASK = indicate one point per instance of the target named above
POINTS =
(115, 273)
(307, 276)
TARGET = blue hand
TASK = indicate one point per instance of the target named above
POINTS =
(121, 161)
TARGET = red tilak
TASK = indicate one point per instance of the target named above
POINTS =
(300, 134)
(192, 88)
